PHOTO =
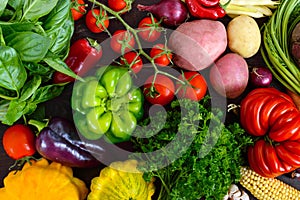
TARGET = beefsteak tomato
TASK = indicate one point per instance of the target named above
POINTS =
(271, 113)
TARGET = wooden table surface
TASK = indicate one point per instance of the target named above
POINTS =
(60, 106)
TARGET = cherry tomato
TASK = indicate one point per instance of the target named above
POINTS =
(19, 141)
(161, 54)
(96, 20)
(162, 91)
(195, 86)
(78, 9)
(118, 5)
(133, 60)
(122, 41)
(148, 29)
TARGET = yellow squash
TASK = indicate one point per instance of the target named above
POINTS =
(43, 181)
(121, 181)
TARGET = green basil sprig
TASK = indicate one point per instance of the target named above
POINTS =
(34, 40)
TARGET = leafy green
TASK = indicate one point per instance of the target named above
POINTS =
(58, 24)
(31, 47)
(3, 4)
(34, 9)
(193, 154)
(12, 72)
(35, 37)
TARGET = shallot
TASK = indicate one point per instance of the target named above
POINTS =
(260, 77)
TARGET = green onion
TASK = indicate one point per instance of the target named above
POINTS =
(276, 44)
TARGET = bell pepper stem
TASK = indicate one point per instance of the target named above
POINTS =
(38, 124)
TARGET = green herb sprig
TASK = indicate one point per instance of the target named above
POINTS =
(209, 165)
(35, 37)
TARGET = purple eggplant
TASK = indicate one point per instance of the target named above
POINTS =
(59, 141)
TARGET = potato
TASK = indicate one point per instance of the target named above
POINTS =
(229, 76)
(244, 36)
(197, 44)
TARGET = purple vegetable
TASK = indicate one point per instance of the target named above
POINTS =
(260, 77)
(60, 142)
(173, 12)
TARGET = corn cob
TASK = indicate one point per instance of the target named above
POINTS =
(267, 188)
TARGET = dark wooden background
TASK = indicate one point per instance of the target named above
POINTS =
(60, 106)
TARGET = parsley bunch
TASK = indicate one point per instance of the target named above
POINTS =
(190, 151)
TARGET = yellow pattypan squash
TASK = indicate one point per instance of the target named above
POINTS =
(121, 181)
(43, 181)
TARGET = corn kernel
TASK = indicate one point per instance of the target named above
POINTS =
(267, 188)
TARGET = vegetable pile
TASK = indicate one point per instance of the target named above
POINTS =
(143, 78)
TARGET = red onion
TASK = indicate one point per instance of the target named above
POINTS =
(173, 12)
(260, 77)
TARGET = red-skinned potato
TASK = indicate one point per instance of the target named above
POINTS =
(198, 44)
(229, 76)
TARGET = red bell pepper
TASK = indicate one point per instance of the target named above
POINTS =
(83, 56)
(270, 113)
(205, 9)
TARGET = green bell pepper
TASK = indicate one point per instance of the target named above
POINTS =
(107, 104)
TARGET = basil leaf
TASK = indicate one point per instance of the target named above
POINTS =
(38, 69)
(3, 4)
(16, 4)
(16, 13)
(8, 94)
(32, 47)
(57, 16)
(34, 9)
(61, 66)
(47, 92)
(9, 28)
(30, 87)
(14, 112)
(59, 26)
(12, 72)
(3, 108)
(61, 43)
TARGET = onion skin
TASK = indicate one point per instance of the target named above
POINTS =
(260, 77)
(172, 12)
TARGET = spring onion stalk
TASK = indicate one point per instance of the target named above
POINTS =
(253, 8)
(276, 44)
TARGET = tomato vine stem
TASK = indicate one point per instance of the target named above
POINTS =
(135, 34)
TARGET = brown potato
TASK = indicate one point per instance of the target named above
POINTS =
(244, 37)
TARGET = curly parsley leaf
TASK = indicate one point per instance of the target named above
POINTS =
(198, 155)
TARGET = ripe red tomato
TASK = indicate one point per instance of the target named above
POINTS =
(117, 5)
(161, 54)
(122, 41)
(148, 29)
(162, 91)
(96, 20)
(133, 60)
(195, 87)
(19, 141)
(78, 9)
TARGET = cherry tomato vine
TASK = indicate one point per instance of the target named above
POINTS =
(135, 34)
